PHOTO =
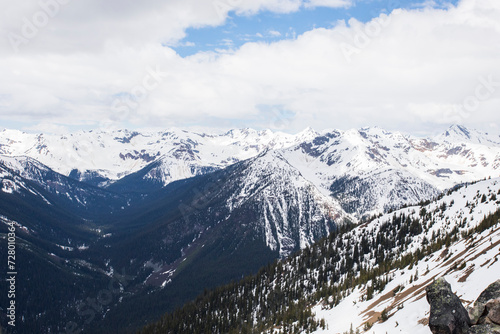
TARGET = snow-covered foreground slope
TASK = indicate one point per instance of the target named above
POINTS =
(470, 265)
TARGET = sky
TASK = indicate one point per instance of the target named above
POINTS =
(284, 65)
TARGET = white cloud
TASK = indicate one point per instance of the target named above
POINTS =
(67, 25)
(47, 128)
(328, 3)
(409, 70)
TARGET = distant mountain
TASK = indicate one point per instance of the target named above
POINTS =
(461, 134)
(387, 168)
(100, 156)
(372, 170)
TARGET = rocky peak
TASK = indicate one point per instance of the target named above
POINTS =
(459, 133)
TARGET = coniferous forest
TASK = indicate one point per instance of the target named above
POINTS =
(281, 294)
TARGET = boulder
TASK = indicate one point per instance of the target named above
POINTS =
(447, 315)
(493, 309)
(486, 308)
(484, 329)
(491, 292)
(476, 313)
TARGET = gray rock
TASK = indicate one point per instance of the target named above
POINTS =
(476, 313)
(484, 329)
(447, 315)
(493, 309)
(491, 292)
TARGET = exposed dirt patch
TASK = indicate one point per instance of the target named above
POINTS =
(487, 261)
(373, 317)
(494, 260)
(466, 274)
(380, 300)
(449, 262)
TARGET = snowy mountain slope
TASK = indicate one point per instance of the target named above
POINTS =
(263, 197)
(11, 182)
(293, 213)
(470, 267)
(84, 199)
(371, 170)
(52, 219)
(368, 171)
(114, 154)
(470, 264)
(348, 279)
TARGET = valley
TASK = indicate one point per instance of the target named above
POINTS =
(116, 228)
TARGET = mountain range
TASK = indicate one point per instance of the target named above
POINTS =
(338, 163)
(177, 212)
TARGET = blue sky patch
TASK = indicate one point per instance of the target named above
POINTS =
(270, 27)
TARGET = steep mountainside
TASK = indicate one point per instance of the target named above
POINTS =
(53, 268)
(79, 197)
(371, 278)
(290, 208)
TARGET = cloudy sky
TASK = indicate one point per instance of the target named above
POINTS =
(415, 66)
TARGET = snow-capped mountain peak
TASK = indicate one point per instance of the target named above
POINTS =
(394, 166)
(292, 211)
(459, 134)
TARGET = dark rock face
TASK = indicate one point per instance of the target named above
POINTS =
(491, 292)
(486, 309)
(447, 315)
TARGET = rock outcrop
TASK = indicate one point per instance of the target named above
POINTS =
(484, 329)
(491, 292)
(448, 315)
(447, 312)
(485, 313)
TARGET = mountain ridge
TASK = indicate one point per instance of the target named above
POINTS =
(370, 156)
